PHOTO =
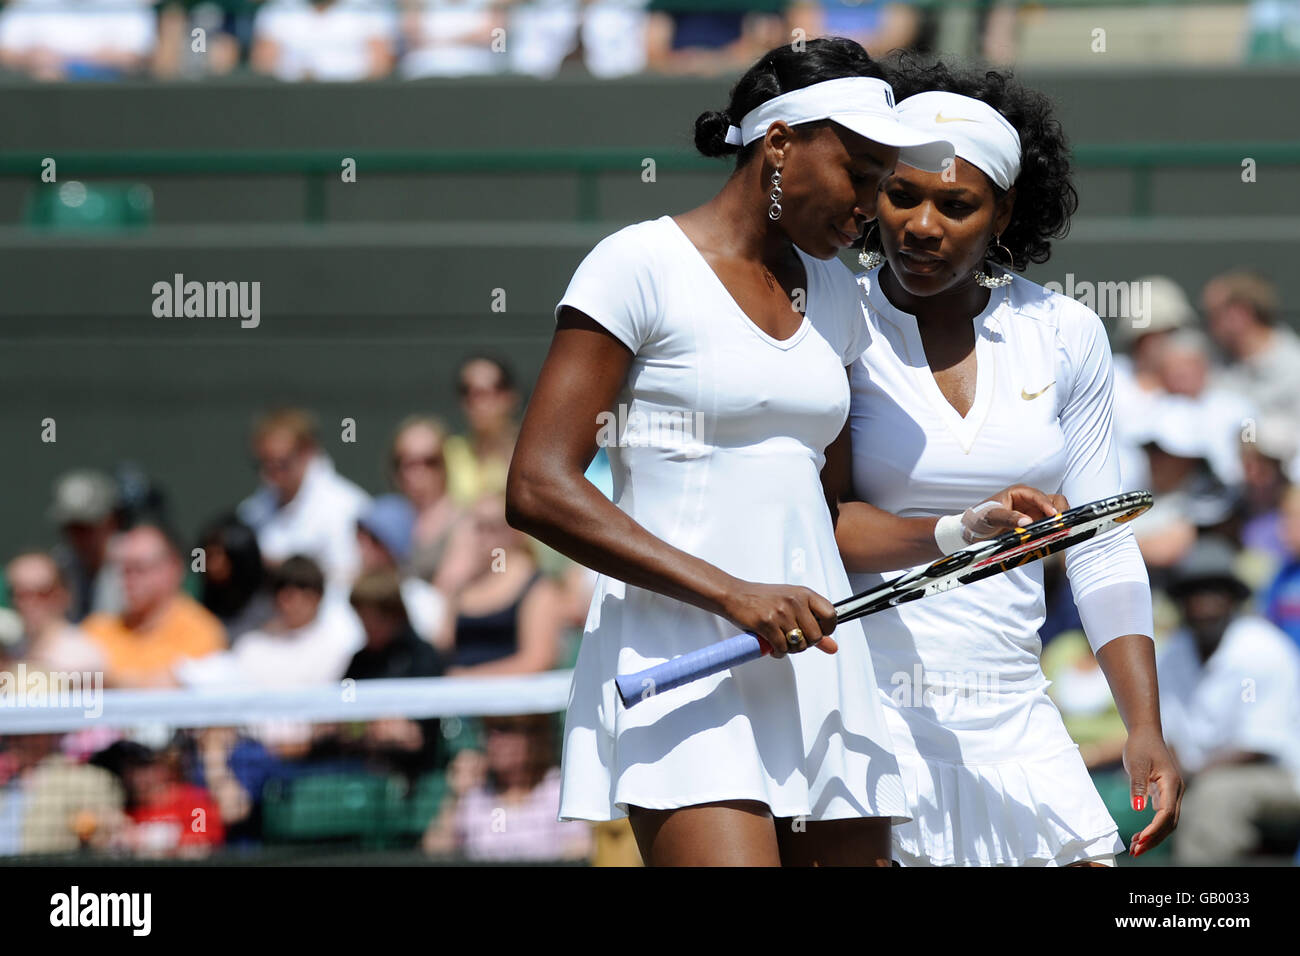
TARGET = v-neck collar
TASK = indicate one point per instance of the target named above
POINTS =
(782, 344)
(965, 429)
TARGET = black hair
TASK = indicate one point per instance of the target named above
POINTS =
(506, 374)
(298, 571)
(1045, 193)
(227, 598)
(780, 71)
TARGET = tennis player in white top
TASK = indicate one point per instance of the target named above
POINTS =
(708, 351)
(976, 377)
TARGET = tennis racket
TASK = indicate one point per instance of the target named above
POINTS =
(981, 560)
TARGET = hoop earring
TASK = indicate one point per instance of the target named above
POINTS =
(989, 281)
(774, 210)
(870, 258)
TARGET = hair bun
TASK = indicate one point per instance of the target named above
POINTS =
(711, 134)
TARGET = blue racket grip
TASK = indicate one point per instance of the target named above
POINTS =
(682, 670)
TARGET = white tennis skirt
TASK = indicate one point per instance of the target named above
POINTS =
(992, 778)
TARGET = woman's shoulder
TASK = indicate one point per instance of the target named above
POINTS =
(1048, 305)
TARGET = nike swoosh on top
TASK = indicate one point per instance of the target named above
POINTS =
(1029, 397)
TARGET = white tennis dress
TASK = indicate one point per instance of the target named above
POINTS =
(739, 487)
(992, 777)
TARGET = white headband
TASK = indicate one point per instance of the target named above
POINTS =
(980, 134)
(862, 104)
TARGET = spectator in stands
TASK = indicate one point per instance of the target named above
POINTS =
(392, 648)
(221, 22)
(233, 582)
(169, 817)
(77, 39)
(614, 37)
(1241, 310)
(1282, 601)
(1139, 384)
(384, 533)
(706, 40)
(543, 34)
(83, 509)
(304, 506)
(333, 40)
(477, 462)
(1187, 495)
(419, 473)
(502, 802)
(1230, 706)
(879, 25)
(504, 616)
(1223, 415)
(50, 641)
(305, 643)
(160, 626)
(453, 38)
(1269, 457)
(52, 803)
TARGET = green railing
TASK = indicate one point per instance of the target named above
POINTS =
(319, 167)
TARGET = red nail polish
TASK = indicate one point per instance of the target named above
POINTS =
(1139, 803)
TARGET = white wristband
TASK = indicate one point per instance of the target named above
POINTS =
(949, 534)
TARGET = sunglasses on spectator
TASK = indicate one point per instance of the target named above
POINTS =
(427, 461)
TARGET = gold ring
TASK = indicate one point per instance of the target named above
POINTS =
(793, 638)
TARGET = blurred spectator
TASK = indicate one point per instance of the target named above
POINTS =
(170, 818)
(1223, 415)
(614, 34)
(502, 802)
(504, 616)
(233, 584)
(477, 463)
(334, 40)
(543, 34)
(1268, 457)
(221, 22)
(160, 626)
(1230, 707)
(77, 39)
(392, 647)
(304, 506)
(696, 40)
(384, 533)
(1241, 310)
(235, 768)
(305, 642)
(879, 25)
(83, 510)
(452, 38)
(1139, 382)
(50, 642)
(1282, 602)
(419, 472)
(52, 803)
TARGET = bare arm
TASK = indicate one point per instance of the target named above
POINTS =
(1129, 664)
(541, 619)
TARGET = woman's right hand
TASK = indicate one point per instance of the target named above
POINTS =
(771, 611)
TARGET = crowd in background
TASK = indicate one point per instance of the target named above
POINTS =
(310, 580)
(355, 40)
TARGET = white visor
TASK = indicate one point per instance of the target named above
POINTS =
(859, 103)
(980, 134)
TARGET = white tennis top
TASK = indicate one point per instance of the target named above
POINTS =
(1041, 416)
(737, 483)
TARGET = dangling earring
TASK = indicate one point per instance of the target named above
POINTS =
(774, 210)
(992, 281)
(870, 259)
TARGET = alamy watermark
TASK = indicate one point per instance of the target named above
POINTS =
(681, 432)
(41, 688)
(1110, 300)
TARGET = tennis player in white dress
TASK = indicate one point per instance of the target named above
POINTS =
(974, 378)
(709, 352)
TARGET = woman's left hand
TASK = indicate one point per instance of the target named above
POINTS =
(1154, 781)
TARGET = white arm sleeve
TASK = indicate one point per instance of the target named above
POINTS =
(1107, 575)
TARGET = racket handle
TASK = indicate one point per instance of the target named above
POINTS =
(634, 688)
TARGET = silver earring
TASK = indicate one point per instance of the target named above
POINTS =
(774, 210)
(996, 282)
(870, 258)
